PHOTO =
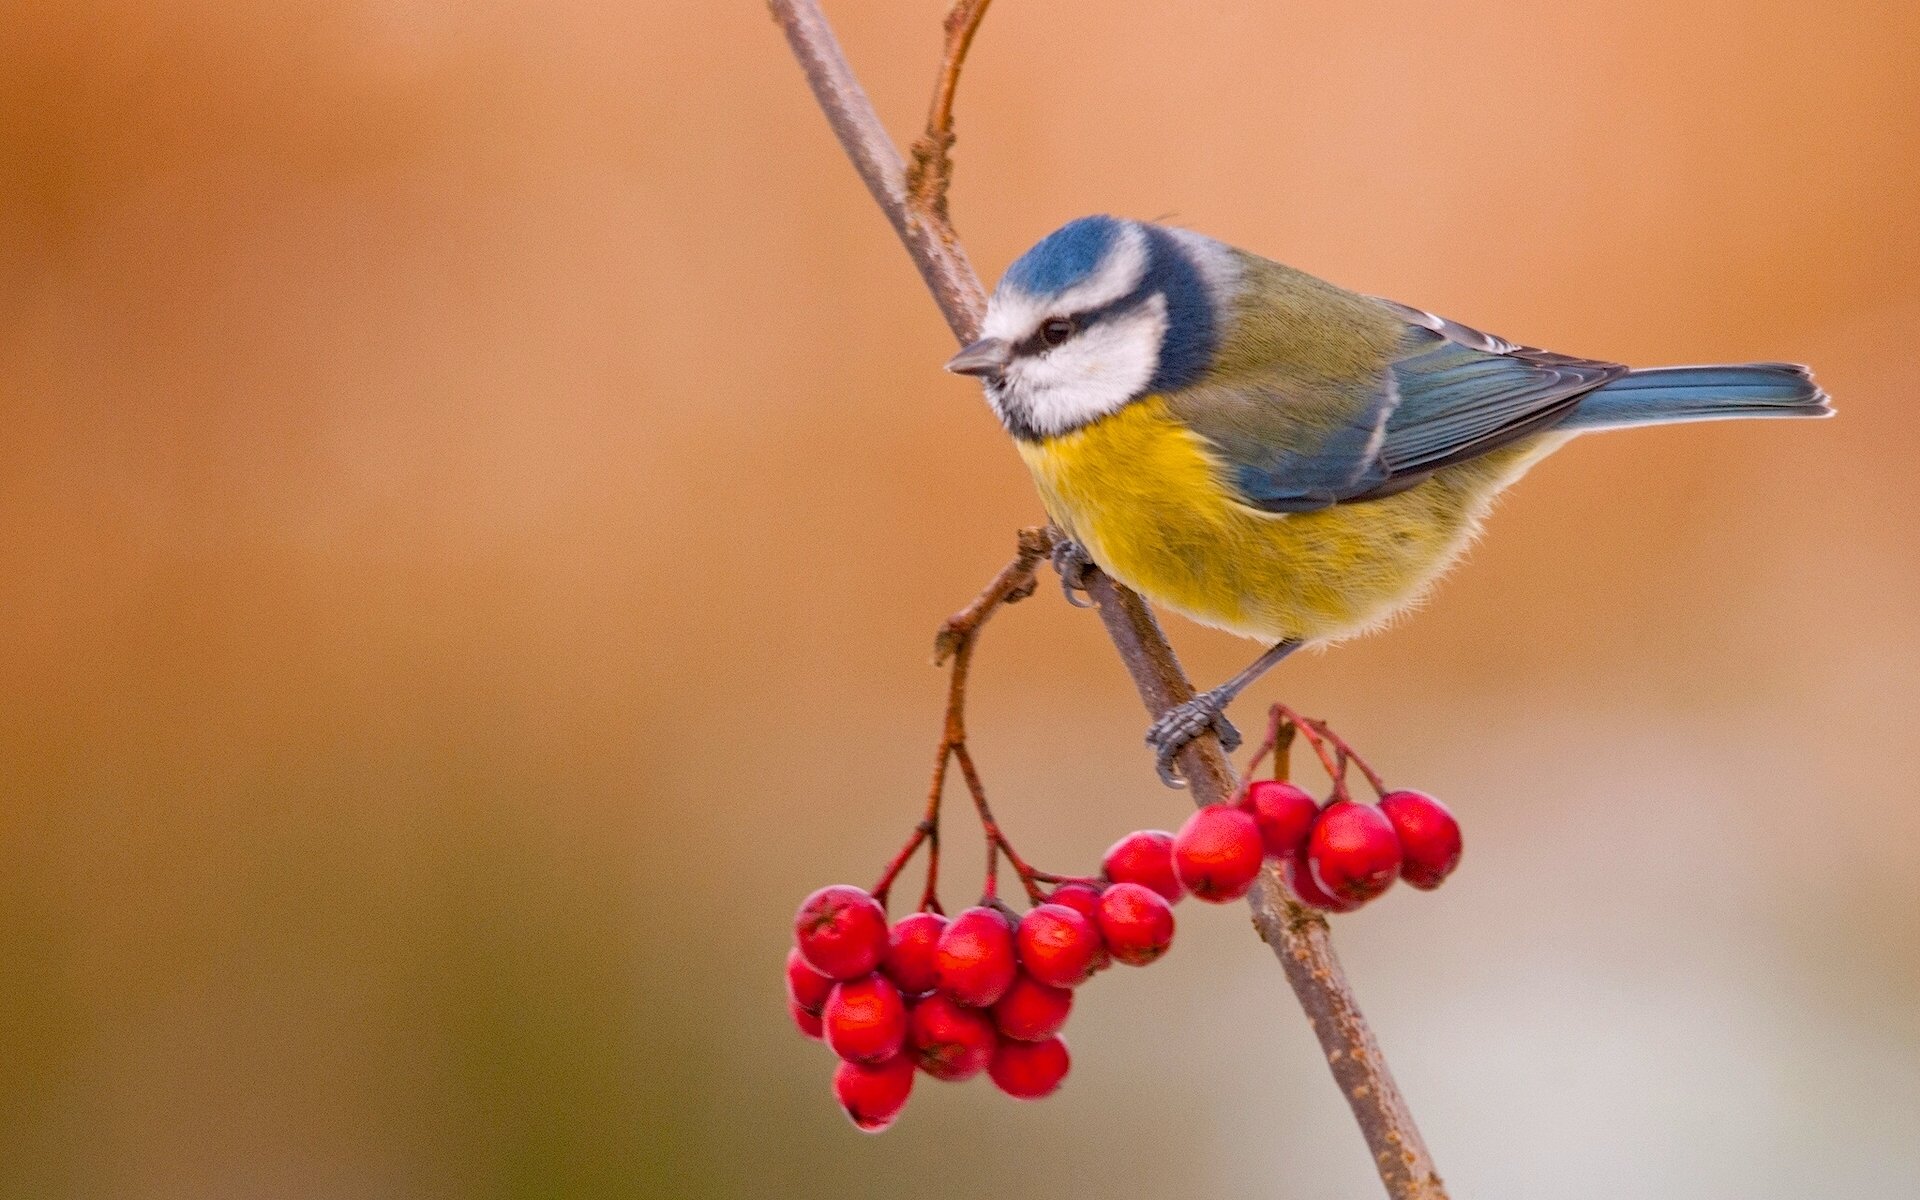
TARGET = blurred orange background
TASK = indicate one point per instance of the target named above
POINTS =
(477, 491)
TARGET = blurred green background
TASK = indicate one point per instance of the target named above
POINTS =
(477, 490)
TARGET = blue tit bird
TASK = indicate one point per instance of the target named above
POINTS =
(1270, 454)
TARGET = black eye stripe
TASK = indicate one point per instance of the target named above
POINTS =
(1036, 342)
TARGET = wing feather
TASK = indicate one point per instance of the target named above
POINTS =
(1446, 393)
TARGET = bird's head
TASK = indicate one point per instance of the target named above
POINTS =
(1100, 313)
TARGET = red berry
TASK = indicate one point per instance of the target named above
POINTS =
(806, 987)
(841, 931)
(974, 961)
(809, 1023)
(1029, 1070)
(1353, 852)
(1084, 899)
(1283, 811)
(1031, 1011)
(873, 1093)
(1429, 837)
(948, 1039)
(910, 948)
(1058, 945)
(866, 1019)
(1137, 923)
(1217, 853)
(1301, 880)
(1145, 856)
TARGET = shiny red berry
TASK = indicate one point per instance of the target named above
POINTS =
(806, 987)
(948, 1039)
(809, 1023)
(1429, 837)
(1058, 945)
(1029, 1070)
(975, 958)
(865, 1019)
(1353, 852)
(910, 950)
(1217, 853)
(1032, 1011)
(873, 1093)
(1283, 811)
(1300, 879)
(1084, 899)
(1137, 923)
(1145, 857)
(841, 931)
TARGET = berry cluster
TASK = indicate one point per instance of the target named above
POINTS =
(989, 990)
(1339, 855)
(986, 990)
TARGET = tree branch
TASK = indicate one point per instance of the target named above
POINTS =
(1297, 935)
(930, 240)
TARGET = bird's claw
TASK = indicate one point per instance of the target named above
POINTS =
(1181, 724)
(1072, 563)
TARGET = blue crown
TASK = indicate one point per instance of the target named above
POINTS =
(1064, 257)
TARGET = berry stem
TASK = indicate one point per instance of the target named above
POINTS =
(990, 891)
(1347, 751)
(1317, 735)
(1279, 741)
(1093, 881)
(924, 831)
(995, 837)
(953, 647)
(930, 893)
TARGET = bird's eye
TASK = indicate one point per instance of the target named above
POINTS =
(1055, 330)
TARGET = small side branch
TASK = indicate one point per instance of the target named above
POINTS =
(932, 171)
(953, 647)
(929, 239)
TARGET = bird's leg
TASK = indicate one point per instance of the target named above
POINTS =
(1184, 722)
(1071, 561)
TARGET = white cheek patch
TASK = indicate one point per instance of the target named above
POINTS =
(1014, 315)
(1094, 373)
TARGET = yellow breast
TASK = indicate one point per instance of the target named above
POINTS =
(1147, 499)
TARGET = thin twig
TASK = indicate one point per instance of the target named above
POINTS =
(930, 241)
(1279, 740)
(928, 830)
(931, 172)
(953, 646)
(1029, 878)
(1347, 752)
(1316, 734)
(1297, 935)
(955, 643)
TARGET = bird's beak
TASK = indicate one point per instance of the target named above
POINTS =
(986, 358)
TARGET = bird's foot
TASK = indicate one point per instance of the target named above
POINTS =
(1182, 723)
(1071, 561)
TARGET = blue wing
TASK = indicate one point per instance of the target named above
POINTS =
(1448, 393)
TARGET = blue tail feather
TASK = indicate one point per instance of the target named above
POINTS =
(1664, 395)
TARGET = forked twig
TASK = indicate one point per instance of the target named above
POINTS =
(931, 174)
(953, 648)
